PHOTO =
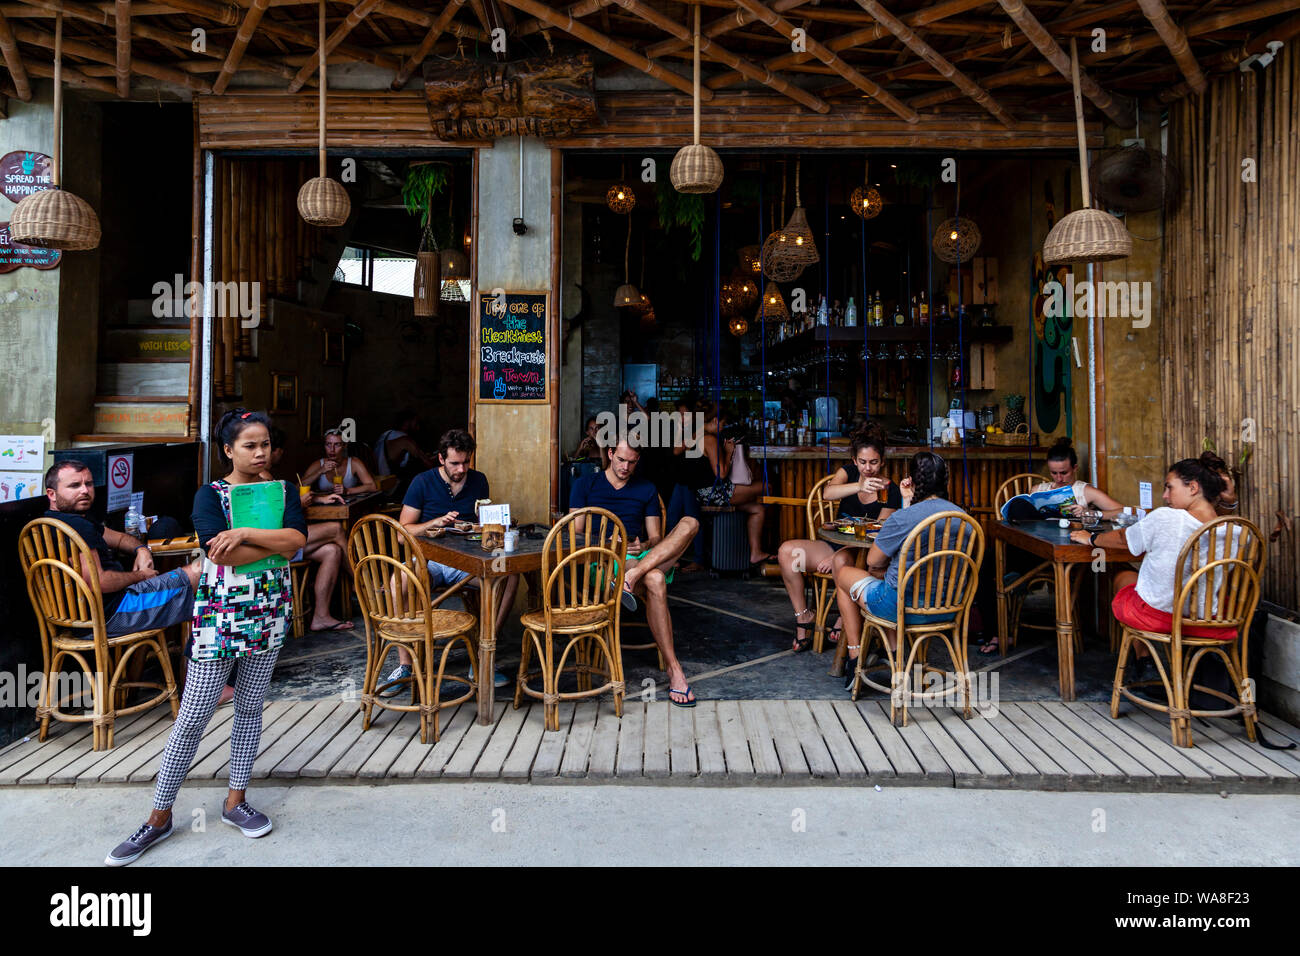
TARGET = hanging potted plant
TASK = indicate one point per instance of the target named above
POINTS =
(423, 182)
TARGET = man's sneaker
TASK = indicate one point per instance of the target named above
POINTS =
(252, 823)
(498, 679)
(398, 673)
(143, 838)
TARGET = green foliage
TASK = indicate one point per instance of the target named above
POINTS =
(925, 176)
(682, 210)
(423, 183)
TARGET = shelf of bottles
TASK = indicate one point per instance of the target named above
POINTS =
(732, 388)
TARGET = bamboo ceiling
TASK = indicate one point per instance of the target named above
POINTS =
(974, 71)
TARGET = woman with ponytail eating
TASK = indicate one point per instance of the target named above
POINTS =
(240, 613)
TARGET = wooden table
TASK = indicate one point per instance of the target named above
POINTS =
(832, 536)
(353, 507)
(1052, 543)
(490, 567)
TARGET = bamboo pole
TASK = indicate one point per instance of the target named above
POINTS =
(122, 32)
(26, 34)
(14, 61)
(72, 77)
(247, 27)
(426, 45)
(328, 44)
(1176, 40)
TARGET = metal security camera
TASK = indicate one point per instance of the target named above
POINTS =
(519, 227)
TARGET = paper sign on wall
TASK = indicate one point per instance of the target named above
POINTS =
(121, 470)
(22, 452)
(16, 485)
(494, 514)
(1144, 495)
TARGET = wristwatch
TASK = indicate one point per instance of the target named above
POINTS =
(1092, 538)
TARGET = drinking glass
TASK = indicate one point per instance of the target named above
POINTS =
(1090, 519)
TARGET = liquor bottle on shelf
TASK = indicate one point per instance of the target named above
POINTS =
(851, 315)
(943, 317)
(877, 311)
(916, 312)
(823, 312)
(925, 309)
(899, 318)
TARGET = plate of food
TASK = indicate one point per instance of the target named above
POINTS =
(461, 527)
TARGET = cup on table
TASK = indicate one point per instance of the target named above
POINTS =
(860, 530)
(338, 483)
(304, 491)
(1090, 519)
(511, 539)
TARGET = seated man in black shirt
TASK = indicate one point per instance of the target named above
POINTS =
(439, 497)
(650, 555)
(137, 600)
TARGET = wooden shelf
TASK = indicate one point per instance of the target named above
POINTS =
(853, 337)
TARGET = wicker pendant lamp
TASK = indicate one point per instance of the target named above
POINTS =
(323, 201)
(865, 201)
(738, 325)
(751, 260)
(626, 296)
(956, 240)
(696, 168)
(742, 290)
(620, 197)
(772, 308)
(1087, 234)
(54, 218)
(791, 249)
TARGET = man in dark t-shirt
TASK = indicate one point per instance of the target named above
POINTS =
(137, 600)
(650, 555)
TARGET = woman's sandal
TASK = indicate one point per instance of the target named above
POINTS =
(802, 644)
(989, 648)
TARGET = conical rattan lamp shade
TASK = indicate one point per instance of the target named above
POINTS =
(791, 249)
(772, 307)
(1087, 235)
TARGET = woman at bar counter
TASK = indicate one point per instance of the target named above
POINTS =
(862, 493)
(355, 476)
(1063, 466)
(710, 479)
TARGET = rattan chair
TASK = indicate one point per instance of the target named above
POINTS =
(938, 572)
(400, 611)
(582, 583)
(652, 646)
(1227, 552)
(65, 602)
(1016, 592)
(820, 511)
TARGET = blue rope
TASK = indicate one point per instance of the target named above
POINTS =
(762, 328)
(717, 320)
(961, 364)
(826, 295)
(1033, 291)
(862, 317)
(929, 284)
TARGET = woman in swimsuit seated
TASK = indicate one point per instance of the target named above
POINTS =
(862, 493)
(356, 477)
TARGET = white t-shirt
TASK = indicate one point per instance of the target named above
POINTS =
(1161, 536)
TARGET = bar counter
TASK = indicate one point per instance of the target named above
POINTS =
(973, 477)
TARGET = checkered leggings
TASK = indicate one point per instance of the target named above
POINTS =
(203, 684)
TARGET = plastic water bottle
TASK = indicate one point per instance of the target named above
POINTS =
(134, 522)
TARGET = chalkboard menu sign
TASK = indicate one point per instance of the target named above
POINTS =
(512, 346)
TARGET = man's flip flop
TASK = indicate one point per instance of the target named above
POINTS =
(685, 693)
(629, 600)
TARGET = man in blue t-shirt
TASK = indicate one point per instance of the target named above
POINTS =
(650, 555)
(137, 600)
(437, 498)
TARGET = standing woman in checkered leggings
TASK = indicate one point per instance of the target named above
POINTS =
(239, 613)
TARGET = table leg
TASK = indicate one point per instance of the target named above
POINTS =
(487, 649)
(1000, 553)
(1064, 627)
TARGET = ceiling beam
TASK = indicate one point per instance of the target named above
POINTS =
(786, 29)
(426, 45)
(1052, 52)
(1231, 59)
(1176, 40)
(72, 76)
(122, 36)
(766, 77)
(337, 36)
(89, 51)
(926, 52)
(14, 62)
(583, 9)
(565, 22)
(724, 24)
(247, 27)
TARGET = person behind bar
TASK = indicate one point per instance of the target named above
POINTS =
(650, 555)
(396, 452)
(437, 498)
(876, 588)
(237, 616)
(862, 493)
(337, 461)
(1063, 466)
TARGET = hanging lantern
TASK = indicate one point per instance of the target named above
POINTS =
(696, 168)
(425, 294)
(55, 218)
(865, 201)
(620, 198)
(745, 291)
(451, 291)
(791, 249)
(643, 304)
(323, 201)
(455, 265)
(956, 240)
(772, 308)
(738, 326)
(751, 260)
(468, 241)
(626, 296)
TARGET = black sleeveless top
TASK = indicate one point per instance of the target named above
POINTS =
(853, 507)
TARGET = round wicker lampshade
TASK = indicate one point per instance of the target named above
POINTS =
(772, 308)
(751, 259)
(744, 290)
(54, 219)
(956, 240)
(620, 198)
(1086, 235)
(738, 326)
(696, 169)
(866, 202)
(455, 264)
(626, 296)
(324, 202)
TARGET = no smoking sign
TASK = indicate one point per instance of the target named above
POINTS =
(120, 471)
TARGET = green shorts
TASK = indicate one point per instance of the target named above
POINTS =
(595, 575)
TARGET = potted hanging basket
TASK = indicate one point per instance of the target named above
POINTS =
(323, 201)
(696, 168)
(55, 218)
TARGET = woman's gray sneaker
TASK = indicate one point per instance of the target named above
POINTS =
(252, 823)
(143, 838)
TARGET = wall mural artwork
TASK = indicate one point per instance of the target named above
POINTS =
(1051, 335)
(550, 96)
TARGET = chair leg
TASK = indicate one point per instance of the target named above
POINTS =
(164, 661)
(616, 668)
(1126, 642)
(524, 655)
(550, 705)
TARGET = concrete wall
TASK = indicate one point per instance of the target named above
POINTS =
(514, 441)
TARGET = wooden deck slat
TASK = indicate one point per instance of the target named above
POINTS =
(407, 731)
(711, 759)
(735, 744)
(339, 743)
(38, 755)
(519, 765)
(1090, 755)
(16, 750)
(603, 749)
(494, 754)
(815, 751)
(1224, 767)
(1236, 743)
(753, 716)
(923, 749)
(286, 717)
(992, 772)
(1287, 758)
(964, 770)
(550, 752)
(840, 720)
(1167, 776)
(148, 759)
(578, 746)
(907, 769)
(1077, 773)
(631, 739)
(788, 749)
(436, 756)
(350, 762)
(415, 751)
(655, 750)
(1140, 776)
(291, 765)
(1046, 771)
(85, 769)
(306, 728)
(1022, 773)
(1175, 757)
(1281, 728)
(56, 759)
(471, 746)
(683, 760)
(126, 752)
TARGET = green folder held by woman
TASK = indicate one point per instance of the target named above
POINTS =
(258, 505)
